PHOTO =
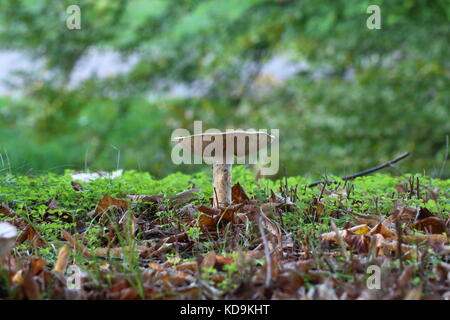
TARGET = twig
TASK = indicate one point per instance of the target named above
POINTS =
(266, 252)
(399, 241)
(365, 172)
(340, 241)
(445, 157)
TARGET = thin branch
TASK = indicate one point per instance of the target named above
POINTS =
(266, 253)
(365, 172)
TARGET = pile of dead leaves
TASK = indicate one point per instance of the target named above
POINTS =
(398, 233)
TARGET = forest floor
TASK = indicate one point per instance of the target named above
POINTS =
(94, 236)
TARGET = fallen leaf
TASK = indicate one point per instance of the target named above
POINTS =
(362, 229)
(414, 294)
(192, 266)
(145, 198)
(118, 252)
(424, 237)
(18, 278)
(29, 234)
(404, 213)
(155, 266)
(424, 213)
(63, 259)
(431, 225)
(179, 237)
(205, 221)
(270, 209)
(222, 261)
(76, 245)
(6, 211)
(37, 264)
(443, 271)
(76, 186)
(358, 242)
(107, 202)
(370, 220)
(238, 194)
(229, 212)
(184, 197)
(52, 205)
(385, 232)
(30, 287)
(209, 260)
(405, 276)
(208, 210)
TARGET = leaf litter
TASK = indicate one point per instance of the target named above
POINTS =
(181, 247)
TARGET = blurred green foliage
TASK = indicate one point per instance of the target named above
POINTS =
(366, 96)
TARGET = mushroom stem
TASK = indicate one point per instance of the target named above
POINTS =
(222, 184)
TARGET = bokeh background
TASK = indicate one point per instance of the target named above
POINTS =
(344, 97)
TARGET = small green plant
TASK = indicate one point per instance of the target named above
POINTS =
(194, 233)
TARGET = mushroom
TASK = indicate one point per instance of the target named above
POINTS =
(7, 238)
(219, 149)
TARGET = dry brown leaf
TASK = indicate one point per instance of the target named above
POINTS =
(385, 232)
(229, 212)
(424, 213)
(315, 209)
(76, 245)
(65, 216)
(179, 237)
(238, 194)
(63, 259)
(270, 209)
(331, 236)
(30, 287)
(371, 219)
(358, 242)
(29, 234)
(273, 228)
(118, 252)
(208, 210)
(443, 271)
(156, 266)
(414, 294)
(107, 202)
(392, 246)
(6, 211)
(205, 221)
(209, 260)
(362, 229)
(431, 225)
(424, 237)
(405, 276)
(191, 266)
(37, 265)
(222, 260)
(404, 213)
(245, 256)
(145, 198)
(184, 197)
(18, 277)
(76, 186)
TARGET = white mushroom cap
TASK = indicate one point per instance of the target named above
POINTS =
(243, 143)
